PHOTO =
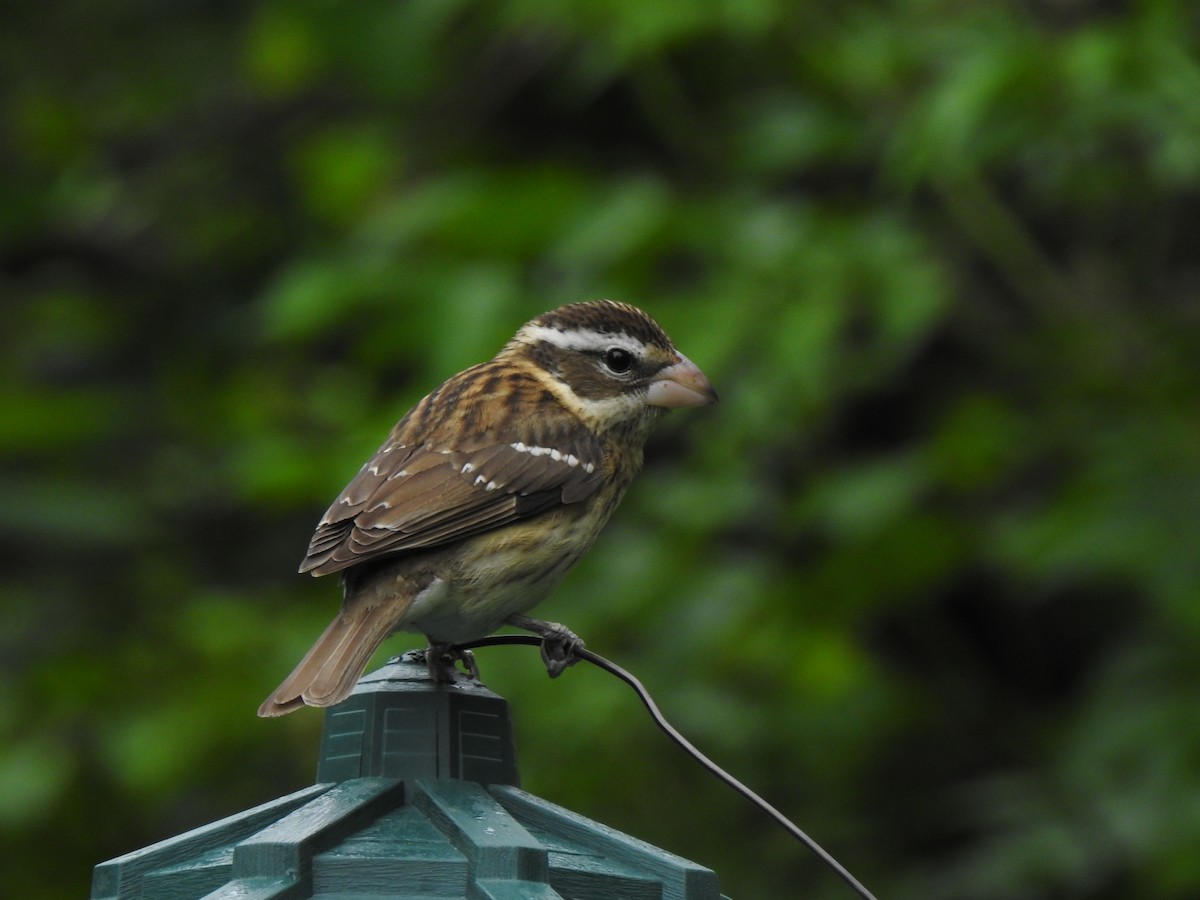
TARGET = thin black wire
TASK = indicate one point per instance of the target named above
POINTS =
(671, 732)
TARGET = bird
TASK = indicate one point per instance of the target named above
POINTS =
(488, 491)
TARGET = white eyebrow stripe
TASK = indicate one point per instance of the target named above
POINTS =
(582, 340)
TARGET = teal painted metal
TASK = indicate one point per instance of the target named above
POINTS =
(194, 863)
(397, 724)
(428, 808)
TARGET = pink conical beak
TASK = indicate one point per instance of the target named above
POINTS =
(682, 384)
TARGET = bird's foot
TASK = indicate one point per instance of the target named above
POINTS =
(443, 660)
(559, 643)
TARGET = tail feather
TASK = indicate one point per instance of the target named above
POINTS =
(329, 670)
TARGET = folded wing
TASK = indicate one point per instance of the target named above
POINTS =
(415, 498)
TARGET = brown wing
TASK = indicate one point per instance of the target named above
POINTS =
(415, 494)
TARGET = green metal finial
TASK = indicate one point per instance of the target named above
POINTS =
(417, 798)
(399, 724)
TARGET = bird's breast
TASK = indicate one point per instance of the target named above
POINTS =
(489, 577)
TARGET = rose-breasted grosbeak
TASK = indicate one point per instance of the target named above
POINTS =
(490, 489)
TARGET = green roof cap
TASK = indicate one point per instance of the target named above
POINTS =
(417, 798)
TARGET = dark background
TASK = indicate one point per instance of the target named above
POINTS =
(927, 578)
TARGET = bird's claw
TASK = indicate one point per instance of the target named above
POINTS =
(560, 645)
(442, 660)
(559, 648)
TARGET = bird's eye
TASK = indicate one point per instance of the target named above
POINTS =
(618, 360)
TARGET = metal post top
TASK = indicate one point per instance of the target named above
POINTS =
(400, 723)
(416, 797)
(409, 672)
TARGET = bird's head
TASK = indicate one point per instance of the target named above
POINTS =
(610, 364)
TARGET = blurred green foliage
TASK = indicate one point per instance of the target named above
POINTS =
(928, 578)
